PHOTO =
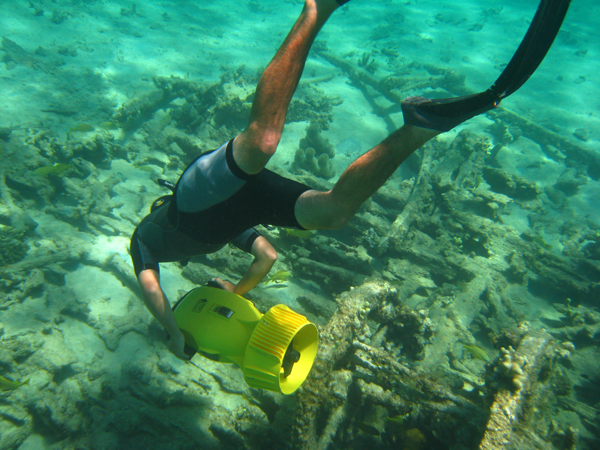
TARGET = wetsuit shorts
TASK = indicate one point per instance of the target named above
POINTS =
(214, 203)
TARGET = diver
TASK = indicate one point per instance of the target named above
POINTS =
(225, 193)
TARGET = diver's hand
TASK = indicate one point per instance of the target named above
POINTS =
(176, 344)
(227, 285)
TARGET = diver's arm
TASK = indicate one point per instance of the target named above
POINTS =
(264, 258)
(157, 303)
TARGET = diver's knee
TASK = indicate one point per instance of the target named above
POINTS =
(261, 248)
(270, 255)
(149, 282)
(317, 210)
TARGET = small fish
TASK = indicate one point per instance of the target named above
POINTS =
(54, 169)
(146, 168)
(368, 429)
(302, 234)
(477, 352)
(399, 418)
(109, 126)
(81, 128)
(7, 385)
(278, 277)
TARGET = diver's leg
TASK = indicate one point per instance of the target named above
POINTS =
(424, 119)
(334, 208)
(253, 148)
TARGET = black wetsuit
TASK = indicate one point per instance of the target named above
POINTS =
(214, 203)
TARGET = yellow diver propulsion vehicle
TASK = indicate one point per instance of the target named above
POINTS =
(275, 351)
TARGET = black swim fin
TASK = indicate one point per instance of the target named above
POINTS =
(445, 114)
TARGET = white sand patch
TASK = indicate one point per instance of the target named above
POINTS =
(83, 340)
(100, 290)
(526, 159)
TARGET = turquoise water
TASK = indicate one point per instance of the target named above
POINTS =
(485, 237)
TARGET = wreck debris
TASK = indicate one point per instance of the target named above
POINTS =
(529, 369)
(335, 339)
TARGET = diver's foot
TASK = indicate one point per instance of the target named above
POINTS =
(414, 111)
(444, 114)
